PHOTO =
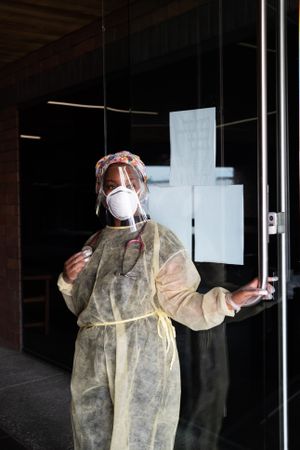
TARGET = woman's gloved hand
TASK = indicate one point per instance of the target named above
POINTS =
(250, 293)
(74, 265)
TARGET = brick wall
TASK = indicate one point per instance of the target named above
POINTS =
(10, 255)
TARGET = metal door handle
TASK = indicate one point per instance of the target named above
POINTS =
(283, 208)
(262, 148)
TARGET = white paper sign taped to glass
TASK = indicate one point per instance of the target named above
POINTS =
(172, 207)
(193, 147)
(219, 224)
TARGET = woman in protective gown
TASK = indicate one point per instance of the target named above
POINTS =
(126, 379)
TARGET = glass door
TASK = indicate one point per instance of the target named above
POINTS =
(226, 72)
(227, 64)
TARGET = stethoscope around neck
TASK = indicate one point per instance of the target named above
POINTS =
(137, 240)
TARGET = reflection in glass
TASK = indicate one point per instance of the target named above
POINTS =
(164, 57)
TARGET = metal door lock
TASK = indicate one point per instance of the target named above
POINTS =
(276, 222)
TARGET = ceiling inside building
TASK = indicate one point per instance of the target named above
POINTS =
(27, 25)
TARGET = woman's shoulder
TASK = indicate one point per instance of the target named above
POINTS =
(168, 241)
(166, 232)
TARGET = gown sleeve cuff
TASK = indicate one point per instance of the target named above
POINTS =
(225, 308)
(63, 286)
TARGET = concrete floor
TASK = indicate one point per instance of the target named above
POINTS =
(34, 404)
(8, 443)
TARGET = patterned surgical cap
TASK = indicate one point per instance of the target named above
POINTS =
(123, 157)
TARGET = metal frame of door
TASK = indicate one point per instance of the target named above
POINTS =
(282, 181)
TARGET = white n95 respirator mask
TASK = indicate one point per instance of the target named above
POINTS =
(122, 203)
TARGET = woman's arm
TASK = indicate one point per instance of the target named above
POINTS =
(177, 282)
(66, 290)
(72, 268)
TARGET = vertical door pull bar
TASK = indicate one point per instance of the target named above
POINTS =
(283, 208)
(262, 146)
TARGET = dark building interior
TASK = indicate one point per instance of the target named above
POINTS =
(116, 70)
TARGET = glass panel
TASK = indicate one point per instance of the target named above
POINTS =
(57, 211)
(200, 55)
(162, 57)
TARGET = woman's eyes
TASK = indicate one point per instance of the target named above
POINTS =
(110, 187)
(133, 185)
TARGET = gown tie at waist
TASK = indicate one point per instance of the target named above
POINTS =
(164, 328)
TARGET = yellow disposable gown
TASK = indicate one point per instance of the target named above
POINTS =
(125, 387)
